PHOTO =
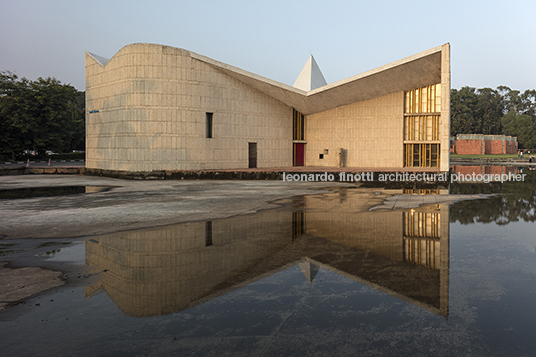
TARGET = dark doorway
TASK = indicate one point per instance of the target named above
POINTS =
(299, 154)
(252, 155)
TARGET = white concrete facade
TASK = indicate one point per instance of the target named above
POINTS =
(147, 110)
(356, 129)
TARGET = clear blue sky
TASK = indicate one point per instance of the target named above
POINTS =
(492, 42)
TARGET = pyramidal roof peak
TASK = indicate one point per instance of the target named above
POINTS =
(310, 76)
(309, 270)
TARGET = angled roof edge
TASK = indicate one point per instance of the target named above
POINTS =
(377, 70)
(245, 282)
(411, 72)
(376, 286)
(101, 60)
(227, 67)
(317, 263)
(408, 73)
(293, 97)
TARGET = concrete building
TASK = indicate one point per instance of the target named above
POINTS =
(154, 107)
(478, 144)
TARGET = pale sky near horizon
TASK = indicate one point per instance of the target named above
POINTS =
(492, 42)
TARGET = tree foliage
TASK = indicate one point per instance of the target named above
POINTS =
(511, 201)
(520, 125)
(489, 110)
(463, 116)
(495, 111)
(40, 115)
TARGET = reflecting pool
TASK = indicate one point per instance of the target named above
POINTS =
(333, 274)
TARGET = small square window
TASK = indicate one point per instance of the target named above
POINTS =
(321, 156)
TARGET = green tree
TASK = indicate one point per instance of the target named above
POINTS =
(12, 100)
(529, 104)
(463, 111)
(7, 138)
(511, 99)
(489, 111)
(40, 115)
(520, 125)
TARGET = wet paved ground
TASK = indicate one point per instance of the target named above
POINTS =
(316, 276)
(113, 205)
(43, 163)
(133, 204)
(404, 201)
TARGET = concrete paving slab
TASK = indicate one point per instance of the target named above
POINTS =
(133, 204)
(20, 283)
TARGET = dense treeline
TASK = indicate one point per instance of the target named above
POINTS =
(45, 114)
(495, 111)
(40, 115)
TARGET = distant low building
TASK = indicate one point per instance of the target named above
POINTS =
(153, 107)
(478, 144)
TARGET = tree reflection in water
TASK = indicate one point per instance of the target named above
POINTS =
(510, 201)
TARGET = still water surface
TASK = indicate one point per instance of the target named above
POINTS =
(324, 275)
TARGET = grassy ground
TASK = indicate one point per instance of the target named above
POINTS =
(486, 156)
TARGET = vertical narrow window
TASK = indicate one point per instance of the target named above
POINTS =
(252, 155)
(210, 124)
(208, 233)
(298, 125)
(298, 134)
(298, 224)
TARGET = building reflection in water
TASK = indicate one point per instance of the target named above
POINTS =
(404, 253)
(485, 170)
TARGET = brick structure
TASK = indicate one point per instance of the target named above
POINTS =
(484, 169)
(471, 144)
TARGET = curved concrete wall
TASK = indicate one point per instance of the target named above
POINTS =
(146, 110)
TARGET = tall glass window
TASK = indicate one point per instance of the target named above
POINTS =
(298, 132)
(422, 116)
